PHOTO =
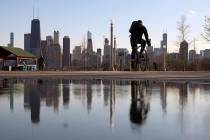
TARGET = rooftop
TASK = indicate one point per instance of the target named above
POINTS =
(18, 52)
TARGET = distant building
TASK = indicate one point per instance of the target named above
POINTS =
(173, 56)
(164, 43)
(53, 57)
(66, 52)
(44, 51)
(157, 51)
(150, 51)
(122, 58)
(27, 38)
(56, 37)
(202, 53)
(107, 55)
(49, 40)
(35, 40)
(89, 43)
(192, 56)
(99, 54)
(99, 51)
(11, 44)
(183, 52)
(207, 53)
(90, 55)
(53, 52)
(77, 54)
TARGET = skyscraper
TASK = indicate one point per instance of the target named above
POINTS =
(56, 37)
(192, 56)
(164, 43)
(99, 51)
(11, 39)
(114, 52)
(122, 58)
(77, 57)
(111, 41)
(44, 51)
(49, 40)
(66, 52)
(77, 53)
(107, 55)
(27, 42)
(89, 43)
(35, 40)
(163, 48)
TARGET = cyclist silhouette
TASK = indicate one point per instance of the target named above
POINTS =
(137, 30)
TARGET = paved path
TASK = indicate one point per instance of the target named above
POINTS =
(172, 75)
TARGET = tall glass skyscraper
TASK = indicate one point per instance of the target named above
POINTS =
(66, 52)
(35, 40)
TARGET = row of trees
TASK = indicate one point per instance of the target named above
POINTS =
(178, 65)
(198, 63)
(184, 30)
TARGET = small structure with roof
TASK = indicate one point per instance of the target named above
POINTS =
(17, 59)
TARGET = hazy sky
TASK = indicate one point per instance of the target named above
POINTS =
(75, 17)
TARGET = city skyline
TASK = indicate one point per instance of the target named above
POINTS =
(75, 18)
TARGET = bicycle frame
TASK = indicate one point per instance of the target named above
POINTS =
(141, 62)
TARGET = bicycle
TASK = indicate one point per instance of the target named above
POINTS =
(140, 62)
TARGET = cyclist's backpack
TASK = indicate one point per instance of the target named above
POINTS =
(134, 29)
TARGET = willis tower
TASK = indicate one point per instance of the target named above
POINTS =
(35, 40)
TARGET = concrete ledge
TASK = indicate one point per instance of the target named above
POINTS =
(169, 75)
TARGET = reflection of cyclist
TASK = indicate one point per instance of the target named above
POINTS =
(137, 30)
(140, 103)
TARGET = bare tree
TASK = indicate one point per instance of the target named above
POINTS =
(206, 34)
(183, 28)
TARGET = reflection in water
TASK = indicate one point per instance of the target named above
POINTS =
(89, 95)
(8, 86)
(140, 101)
(66, 92)
(112, 102)
(163, 95)
(106, 90)
(107, 103)
(183, 94)
(32, 98)
(35, 90)
(48, 90)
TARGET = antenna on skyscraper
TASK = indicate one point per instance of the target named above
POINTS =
(33, 12)
(37, 9)
(164, 30)
(33, 8)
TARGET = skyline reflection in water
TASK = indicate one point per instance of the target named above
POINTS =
(105, 109)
